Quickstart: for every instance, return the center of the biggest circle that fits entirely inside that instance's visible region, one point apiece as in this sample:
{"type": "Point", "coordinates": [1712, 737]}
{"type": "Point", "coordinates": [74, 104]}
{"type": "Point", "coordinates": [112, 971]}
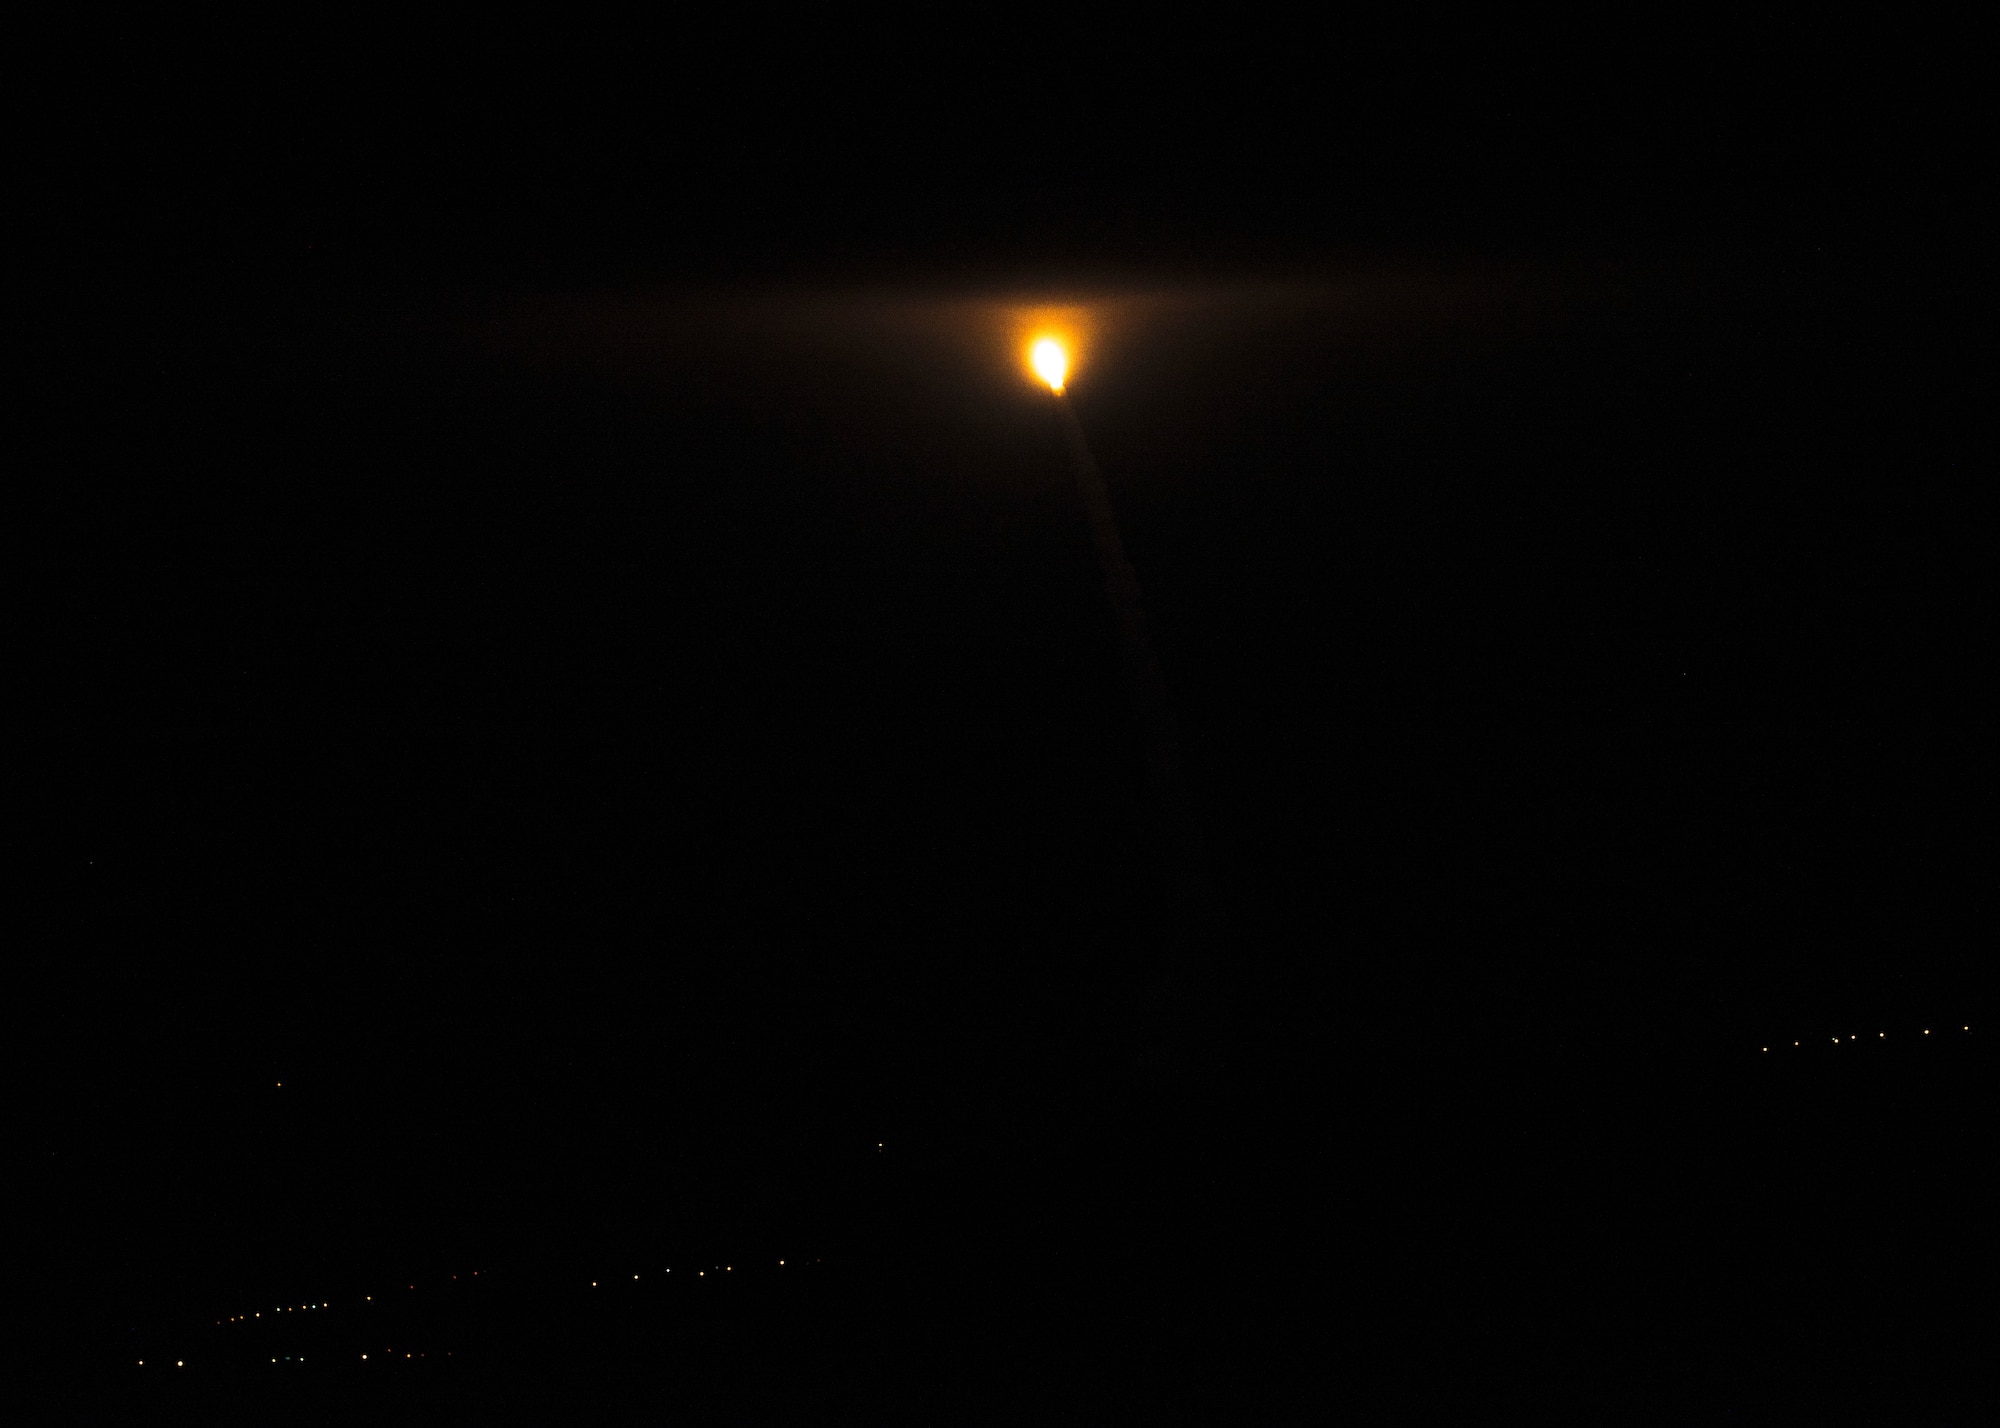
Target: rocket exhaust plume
{"type": "Point", "coordinates": [1051, 363]}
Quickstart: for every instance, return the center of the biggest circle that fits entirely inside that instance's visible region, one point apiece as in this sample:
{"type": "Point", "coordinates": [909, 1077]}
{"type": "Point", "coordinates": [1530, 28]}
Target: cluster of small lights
{"type": "Point", "coordinates": [1880, 1036]}
{"type": "Point", "coordinates": [699, 1273]}
{"type": "Point", "coordinates": [369, 1299]}
{"type": "Point", "coordinates": [306, 1308]}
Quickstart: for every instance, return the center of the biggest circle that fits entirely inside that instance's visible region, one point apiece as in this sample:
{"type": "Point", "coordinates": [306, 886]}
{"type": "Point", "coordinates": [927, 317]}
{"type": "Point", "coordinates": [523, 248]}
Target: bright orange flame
{"type": "Point", "coordinates": [1051, 363]}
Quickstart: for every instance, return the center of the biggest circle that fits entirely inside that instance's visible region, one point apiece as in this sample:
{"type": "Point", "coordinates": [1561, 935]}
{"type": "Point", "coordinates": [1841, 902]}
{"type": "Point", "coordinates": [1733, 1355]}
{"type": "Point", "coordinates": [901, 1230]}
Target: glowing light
{"type": "Point", "coordinates": [1051, 363]}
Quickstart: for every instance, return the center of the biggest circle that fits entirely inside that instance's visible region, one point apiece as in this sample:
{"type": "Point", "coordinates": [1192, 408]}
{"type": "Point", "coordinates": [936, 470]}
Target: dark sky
{"type": "Point", "coordinates": [556, 627]}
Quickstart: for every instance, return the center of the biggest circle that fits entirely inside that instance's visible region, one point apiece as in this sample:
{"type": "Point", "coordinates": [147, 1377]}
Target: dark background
{"type": "Point", "coordinates": [550, 623]}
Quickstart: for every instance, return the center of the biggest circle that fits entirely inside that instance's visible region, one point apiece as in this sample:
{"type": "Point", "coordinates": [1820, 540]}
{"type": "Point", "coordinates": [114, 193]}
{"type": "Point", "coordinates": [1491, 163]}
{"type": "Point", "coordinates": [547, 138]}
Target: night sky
{"type": "Point", "coordinates": [569, 724]}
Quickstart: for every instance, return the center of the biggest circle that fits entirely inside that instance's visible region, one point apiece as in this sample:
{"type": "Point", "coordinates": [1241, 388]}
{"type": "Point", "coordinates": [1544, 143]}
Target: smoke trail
{"type": "Point", "coordinates": [1181, 1013]}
